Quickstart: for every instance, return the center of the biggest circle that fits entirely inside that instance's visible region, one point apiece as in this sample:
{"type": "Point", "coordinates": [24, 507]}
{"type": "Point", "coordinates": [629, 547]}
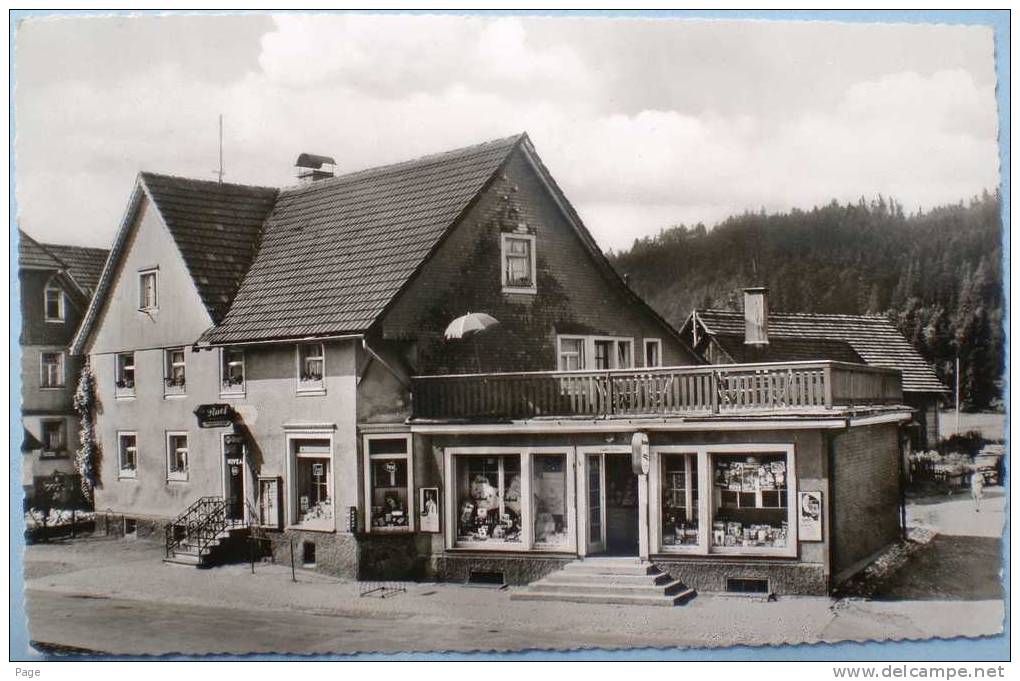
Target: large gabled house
{"type": "Point", "coordinates": [56, 283]}
{"type": "Point", "coordinates": [723, 336]}
{"type": "Point", "coordinates": [281, 359]}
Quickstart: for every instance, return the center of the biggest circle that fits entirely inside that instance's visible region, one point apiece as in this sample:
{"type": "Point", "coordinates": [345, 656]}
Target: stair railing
{"type": "Point", "coordinates": [199, 525]}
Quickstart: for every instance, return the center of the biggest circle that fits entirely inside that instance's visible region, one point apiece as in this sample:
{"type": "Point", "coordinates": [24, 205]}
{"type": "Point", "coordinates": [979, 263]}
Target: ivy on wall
{"type": "Point", "coordinates": [86, 457]}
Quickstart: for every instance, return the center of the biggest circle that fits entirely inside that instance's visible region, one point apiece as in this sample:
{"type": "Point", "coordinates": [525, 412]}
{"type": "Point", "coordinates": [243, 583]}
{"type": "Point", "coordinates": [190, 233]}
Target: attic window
{"type": "Point", "coordinates": [518, 259]}
{"type": "Point", "coordinates": [148, 298]}
{"type": "Point", "coordinates": [54, 302]}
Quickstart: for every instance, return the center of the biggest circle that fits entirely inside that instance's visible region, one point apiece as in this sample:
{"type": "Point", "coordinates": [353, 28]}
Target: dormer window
{"type": "Point", "coordinates": [148, 295]}
{"type": "Point", "coordinates": [54, 302]}
{"type": "Point", "coordinates": [518, 252]}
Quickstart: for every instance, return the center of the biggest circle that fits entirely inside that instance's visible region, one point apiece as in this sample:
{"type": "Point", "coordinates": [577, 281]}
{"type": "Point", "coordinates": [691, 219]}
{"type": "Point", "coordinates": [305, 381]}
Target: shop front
{"type": "Point", "coordinates": [719, 509]}
{"type": "Point", "coordinates": [695, 499]}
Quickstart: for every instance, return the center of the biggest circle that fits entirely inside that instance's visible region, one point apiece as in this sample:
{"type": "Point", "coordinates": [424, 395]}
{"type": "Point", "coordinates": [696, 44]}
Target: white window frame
{"type": "Point", "coordinates": [309, 387]}
{"type": "Point", "coordinates": [178, 476]}
{"type": "Point", "coordinates": [527, 543]}
{"type": "Point", "coordinates": [706, 489]}
{"type": "Point", "coordinates": [61, 370]}
{"type": "Point", "coordinates": [291, 511]}
{"type": "Point", "coordinates": [122, 472]}
{"type": "Point", "coordinates": [408, 457]}
{"type": "Point", "coordinates": [504, 251]}
{"type": "Point", "coordinates": [560, 353]}
{"type": "Point", "coordinates": [168, 367]}
{"type": "Point", "coordinates": [589, 350]}
{"type": "Point", "coordinates": [118, 367]}
{"type": "Point", "coordinates": [142, 274]}
{"type": "Point", "coordinates": [231, 390]}
{"type": "Point", "coordinates": [51, 287]}
{"type": "Point", "coordinates": [657, 342]}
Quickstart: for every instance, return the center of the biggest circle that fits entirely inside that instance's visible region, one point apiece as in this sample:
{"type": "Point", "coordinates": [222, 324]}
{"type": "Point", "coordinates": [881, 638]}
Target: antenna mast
{"type": "Point", "coordinates": [219, 173]}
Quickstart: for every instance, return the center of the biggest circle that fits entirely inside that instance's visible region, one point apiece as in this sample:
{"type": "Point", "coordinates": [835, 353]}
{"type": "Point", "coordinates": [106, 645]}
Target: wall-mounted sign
{"type": "Point", "coordinates": [640, 456]}
{"type": "Point", "coordinates": [428, 509]}
{"type": "Point", "coordinates": [214, 415]}
{"type": "Point", "coordinates": [352, 518]}
{"type": "Point", "coordinates": [809, 516]}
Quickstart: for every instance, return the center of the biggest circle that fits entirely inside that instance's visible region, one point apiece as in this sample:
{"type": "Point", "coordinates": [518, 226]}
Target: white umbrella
{"type": "Point", "coordinates": [469, 324]}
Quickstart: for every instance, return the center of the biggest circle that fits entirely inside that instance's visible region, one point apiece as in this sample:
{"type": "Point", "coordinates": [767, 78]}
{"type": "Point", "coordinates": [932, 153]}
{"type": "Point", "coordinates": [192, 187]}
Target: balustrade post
{"type": "Point", "coordinates": [827, 380]}
{"type": "Point", "coordinates": [714, 390]}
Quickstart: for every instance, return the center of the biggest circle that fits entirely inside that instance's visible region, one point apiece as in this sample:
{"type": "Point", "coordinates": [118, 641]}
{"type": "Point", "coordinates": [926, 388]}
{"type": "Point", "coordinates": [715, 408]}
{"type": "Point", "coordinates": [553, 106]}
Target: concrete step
{"type": "Point", "coordinates": [550, 585]}
{"type": "Point", "coordinates": [184, 559]}
{"type": "Point", "coordinates": [577, 577]}
{"type": "Point", "coordinates": [605, 599]}
{"type": "Point", "coordinates": [604, 567]}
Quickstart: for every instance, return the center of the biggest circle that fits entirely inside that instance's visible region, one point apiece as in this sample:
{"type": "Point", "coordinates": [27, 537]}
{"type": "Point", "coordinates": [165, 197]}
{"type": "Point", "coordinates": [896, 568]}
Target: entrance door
{"type": "Point", "coordinates": [592, 486]}
{"type": "Point", "coordinates": [622, 503]}
{"type": "Point", "coordinates": [233, 462]}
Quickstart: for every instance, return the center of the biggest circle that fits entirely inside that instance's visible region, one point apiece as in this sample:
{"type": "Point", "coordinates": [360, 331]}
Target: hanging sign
{"type": "Point", "coordinates": [640, 457]}
{"type": "Point", "coordinates": [809, 516]}
{"type": "Point", "coordinates": [214, 415]}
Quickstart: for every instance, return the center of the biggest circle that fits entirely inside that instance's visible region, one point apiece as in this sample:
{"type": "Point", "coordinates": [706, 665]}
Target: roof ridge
{"type": "Point", "coordinates": [435, 157]}
{"type": "Point", "coordinates": [841, 315]}
{"type": "Point", "coordinates": [168, 176]}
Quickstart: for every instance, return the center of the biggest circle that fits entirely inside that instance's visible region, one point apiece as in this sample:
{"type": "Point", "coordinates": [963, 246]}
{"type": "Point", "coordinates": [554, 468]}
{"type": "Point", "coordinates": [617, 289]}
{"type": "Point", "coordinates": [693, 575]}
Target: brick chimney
{"type": "Point", "coordinates": [756, 316]}
{"type": "Point", "coordinates": [314, 167]}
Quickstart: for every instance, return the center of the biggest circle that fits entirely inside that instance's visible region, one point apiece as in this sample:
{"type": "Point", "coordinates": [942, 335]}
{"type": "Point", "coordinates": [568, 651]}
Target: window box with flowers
{"type": "Point", "coordinates": [174, 378]}
{"type": "Point", "coordinates": [125, 375]}
{"type": "Point", "coordinates": [311, 369]}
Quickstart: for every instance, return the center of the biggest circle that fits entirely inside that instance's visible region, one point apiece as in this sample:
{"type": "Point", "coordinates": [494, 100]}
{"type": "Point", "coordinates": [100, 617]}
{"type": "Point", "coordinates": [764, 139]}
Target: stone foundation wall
{"type": "Point", "coordinates": [335, 554]}
{"type": "Point", "coordinates": [517, 569]}
{"type": "Point", "coordinates": [784, 578]}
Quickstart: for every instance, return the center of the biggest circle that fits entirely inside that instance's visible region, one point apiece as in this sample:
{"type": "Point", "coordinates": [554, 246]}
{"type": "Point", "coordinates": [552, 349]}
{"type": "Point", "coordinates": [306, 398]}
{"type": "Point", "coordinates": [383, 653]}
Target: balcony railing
{"type": "Point", "coordinates": [689, 390]}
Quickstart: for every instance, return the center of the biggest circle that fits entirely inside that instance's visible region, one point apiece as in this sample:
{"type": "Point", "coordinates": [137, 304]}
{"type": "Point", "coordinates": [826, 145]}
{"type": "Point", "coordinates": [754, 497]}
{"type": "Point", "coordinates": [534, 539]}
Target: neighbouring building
{"type": "Point", "coordinates": [722, 337]}
{"type": "Point", "coordinates": [56, 284]}
{"type": "Point", "coordinates": [278, 358]}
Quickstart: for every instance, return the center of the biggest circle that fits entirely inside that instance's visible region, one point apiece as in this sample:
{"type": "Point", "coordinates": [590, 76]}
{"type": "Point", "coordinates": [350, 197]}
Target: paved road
{"type": "Point", "coordinates": [130, 627]}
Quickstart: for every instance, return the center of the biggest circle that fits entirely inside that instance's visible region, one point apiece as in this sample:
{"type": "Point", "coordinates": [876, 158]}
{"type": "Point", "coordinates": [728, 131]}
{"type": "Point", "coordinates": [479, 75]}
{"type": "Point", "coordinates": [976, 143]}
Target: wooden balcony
{"type": "Point", "coordinates": [790, 387]}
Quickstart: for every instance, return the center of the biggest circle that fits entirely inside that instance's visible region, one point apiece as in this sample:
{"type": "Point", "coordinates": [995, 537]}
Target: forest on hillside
{"type": "Point", "coordinates": [937, 274]}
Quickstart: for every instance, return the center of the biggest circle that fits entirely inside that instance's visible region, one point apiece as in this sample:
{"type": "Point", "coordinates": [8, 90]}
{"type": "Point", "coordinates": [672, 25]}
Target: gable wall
{"type": "Point", "coordinates": [573, 297]}
{"type": "Point", "coordinates": [181, 317]}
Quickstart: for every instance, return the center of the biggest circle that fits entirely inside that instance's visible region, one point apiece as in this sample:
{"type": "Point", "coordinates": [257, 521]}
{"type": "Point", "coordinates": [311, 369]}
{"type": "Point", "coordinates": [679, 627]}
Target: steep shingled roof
{"type": "Point", "coordinates": [84, 264]}
{"type": "Point", "coordinates": [216, 226]}
{"type": "Point", "coordinates": [31, 254]}
{"type": "Point", "coordinates": [874, 338]}
{"type": "Point", "coordinates": [334, 253]}
{"type": "Point", "coordinates": [81, 263]}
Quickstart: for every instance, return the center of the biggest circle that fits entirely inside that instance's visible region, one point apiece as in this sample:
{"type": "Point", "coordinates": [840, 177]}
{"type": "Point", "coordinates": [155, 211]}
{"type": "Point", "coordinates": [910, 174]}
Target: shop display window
{"type": "Point", "coordinates": [488, 493]}
{"type": "Point", "coordinates": [389, 483]}
{"type": "Point", "coordinates": [549, 490]}
{"type": "Point", "coordinates": [750, 500]}
{"type": "Point", "coordinates": [679, 482]}
{"type": "Point", "coordinates": [313, 494]}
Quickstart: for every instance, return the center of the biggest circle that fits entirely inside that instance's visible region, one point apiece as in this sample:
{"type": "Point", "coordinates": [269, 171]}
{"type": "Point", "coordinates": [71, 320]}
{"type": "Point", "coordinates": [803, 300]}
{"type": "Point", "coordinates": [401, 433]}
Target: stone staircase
{"type": "Point", "coordinates": [619, 581]}
{"type": "Point", "coordinates": [218, 550]}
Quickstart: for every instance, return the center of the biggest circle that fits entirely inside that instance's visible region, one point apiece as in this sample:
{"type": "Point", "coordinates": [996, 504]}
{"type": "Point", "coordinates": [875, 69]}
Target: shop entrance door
{"type": "Point", "coordinates": [233, 476]}
{"type": "Point", "coordinates": [621, 502]}
{"type": "Point", "coordinates": [592, 503]}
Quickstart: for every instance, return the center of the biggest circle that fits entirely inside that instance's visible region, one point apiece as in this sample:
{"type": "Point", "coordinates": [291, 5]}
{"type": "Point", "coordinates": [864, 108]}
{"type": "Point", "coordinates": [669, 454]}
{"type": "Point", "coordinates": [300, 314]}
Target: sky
{"type": "Point", "coordinates": [645, 123]}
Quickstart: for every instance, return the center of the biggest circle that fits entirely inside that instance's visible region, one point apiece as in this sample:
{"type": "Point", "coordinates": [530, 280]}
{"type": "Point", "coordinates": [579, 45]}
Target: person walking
{"type": "Point", "coordinates": [977, 488]}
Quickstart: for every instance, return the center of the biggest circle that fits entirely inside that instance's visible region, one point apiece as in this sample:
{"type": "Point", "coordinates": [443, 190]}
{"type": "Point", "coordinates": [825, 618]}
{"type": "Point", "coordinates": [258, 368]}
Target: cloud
{"type": "Point", "coordinates": [601, 99]}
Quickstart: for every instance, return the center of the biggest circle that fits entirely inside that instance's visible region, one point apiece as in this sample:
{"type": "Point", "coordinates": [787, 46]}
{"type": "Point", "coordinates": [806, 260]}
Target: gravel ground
{"type": "Point", "coordinates": [431, 616]}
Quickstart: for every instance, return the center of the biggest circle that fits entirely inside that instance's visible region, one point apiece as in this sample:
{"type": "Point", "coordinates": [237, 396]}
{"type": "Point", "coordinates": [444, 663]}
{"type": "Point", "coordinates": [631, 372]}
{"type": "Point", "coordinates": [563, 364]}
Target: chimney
{"type": "Point", "coordinates": [313, 167]}
{"type": "Point", "coordinates": [756, 316]}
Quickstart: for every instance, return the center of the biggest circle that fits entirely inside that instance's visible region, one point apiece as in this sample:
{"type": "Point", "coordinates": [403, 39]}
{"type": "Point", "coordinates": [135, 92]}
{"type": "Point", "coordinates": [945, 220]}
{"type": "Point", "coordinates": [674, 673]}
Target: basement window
{"type": "Point", "coordinates": [743, 585]}
{"type": "Point", "coordinates": [308, 554]}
